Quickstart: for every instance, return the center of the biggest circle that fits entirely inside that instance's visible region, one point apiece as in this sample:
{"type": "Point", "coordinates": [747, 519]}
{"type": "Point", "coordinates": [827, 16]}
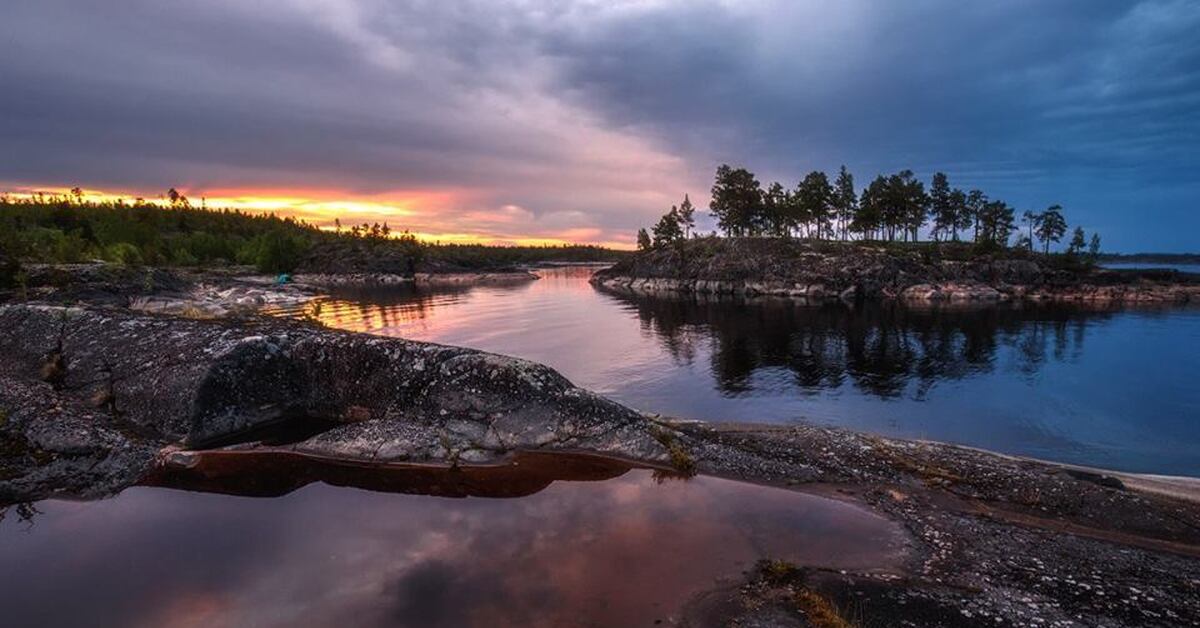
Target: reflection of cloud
{"type": "Point", "coordinates": [609, 552]}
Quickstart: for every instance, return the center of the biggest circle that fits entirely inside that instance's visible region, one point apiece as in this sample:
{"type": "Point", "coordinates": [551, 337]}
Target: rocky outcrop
{"type": "Point", "coordinates": [236, 298]}
{"type": "Point", "coordinates": [141, 383]}
{"type": "Point", "coordinates": [838, 270]}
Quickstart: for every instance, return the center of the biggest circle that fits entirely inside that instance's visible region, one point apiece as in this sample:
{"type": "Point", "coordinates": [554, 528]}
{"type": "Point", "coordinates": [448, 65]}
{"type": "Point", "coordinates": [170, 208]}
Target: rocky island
{"type": "Point", "coordinates": [96, 397]}
{"type": "Point", "coordinates": [828, 270]}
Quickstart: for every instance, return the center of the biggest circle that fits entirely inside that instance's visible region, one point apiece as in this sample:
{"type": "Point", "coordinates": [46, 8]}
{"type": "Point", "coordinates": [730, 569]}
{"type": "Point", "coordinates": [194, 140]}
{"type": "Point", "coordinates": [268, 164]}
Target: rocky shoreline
{"type": "Point", "coordinates": [832, 271]}
{"type": "Point", "coordinates": [96, 398]}
{"type": "Point", "coordinates": [433, 280]}
{"type": "Point", "coordinates": [226, 293]}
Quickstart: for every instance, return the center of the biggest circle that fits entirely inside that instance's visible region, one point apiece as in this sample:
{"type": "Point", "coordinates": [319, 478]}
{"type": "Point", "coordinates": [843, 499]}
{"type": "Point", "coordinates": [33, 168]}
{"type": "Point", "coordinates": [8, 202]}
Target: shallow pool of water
{"type": "Point", "coordinates": [1109, 387]}
{"type": "Point", "coordinates": [625, 551]}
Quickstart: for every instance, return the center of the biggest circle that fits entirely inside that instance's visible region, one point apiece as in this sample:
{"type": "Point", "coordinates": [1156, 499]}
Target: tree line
{"type": "Point", "coordinates": [895, 207]}
{"type": "Point", "coordinates": [173, 232]}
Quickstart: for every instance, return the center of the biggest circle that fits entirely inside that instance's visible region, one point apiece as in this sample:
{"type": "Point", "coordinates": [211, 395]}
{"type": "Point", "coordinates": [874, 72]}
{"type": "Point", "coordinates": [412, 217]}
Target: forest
{"type": "Point", "coordinates": [70, 229]}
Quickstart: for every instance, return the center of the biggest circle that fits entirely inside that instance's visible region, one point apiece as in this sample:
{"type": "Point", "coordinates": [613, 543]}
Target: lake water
{"type": "Point", "coordinates": [1183, 268]}
{"type": "Point", "coordinates": [626, 551]}
{"type": "Point", "coordinates": [1108, 387]}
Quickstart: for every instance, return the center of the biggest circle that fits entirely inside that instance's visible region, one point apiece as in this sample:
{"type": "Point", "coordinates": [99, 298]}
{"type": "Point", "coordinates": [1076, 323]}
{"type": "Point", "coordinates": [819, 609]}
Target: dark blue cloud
{"type": "Point", "coordinates": [606, 110]}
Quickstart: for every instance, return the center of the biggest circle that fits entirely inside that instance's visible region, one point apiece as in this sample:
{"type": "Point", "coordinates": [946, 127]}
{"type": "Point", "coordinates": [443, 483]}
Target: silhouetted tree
{"type": "Point", "coordinates": [176, 199]}
{"type": "Point", "coordinates": [976, 200]}
{"type": "Point", "coordinates": [815, 198]}
{"type": "Point", "coordinates": [845, 201]}
{"type": "Point", "coordinates": [868, 220]}
{"type": "Point", "coordinates": [962, 214]}
{"type": "Point", "coordinates": [912, 201]}
{"type": "Point", "coordinates": [1051, 226]}
{"type": "Point", "coordinates": [687, 216]}
{"type": "Point", "coordinates": [1032, 220]}
{"type": "Point", "coordinates": [643, 240]}
{"type": "Point", "coordinates": [996, 223]}
{"type": "Point", "coordinates": [941, 206]}
{"type": "Point", "coordinates": [1078, 242]}
{"type": "Point", "coordinates": [777, 210]}
{"type": "Point", "coordinates": [737, 201]}
{"type": "Point", "coordinates": [1094, 246]}
{"type": "Point", "coordinates": [668, 230]}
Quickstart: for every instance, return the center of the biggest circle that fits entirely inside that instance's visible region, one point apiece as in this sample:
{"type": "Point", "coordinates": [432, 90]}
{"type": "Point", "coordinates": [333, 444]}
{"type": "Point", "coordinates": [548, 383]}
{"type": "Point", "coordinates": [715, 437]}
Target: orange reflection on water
{"type": "Point", "coordinates": [622, 552]}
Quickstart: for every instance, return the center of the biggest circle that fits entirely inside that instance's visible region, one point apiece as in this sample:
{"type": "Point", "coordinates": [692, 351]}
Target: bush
{"type": "Point", "coordinates": [278, 252]}
{"type": "Point", "coordinates": [123, 253]}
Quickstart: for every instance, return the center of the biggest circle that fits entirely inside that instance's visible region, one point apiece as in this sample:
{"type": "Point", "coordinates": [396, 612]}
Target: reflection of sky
{"type": "Point", "coordinates": [326, 556]}
{"type": "Point", "coordinates": [1112, 389]}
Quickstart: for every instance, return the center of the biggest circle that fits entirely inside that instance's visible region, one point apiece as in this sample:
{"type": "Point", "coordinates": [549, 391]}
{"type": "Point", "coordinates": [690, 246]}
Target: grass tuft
{"type": "Point", "coordinates": [680, 458]}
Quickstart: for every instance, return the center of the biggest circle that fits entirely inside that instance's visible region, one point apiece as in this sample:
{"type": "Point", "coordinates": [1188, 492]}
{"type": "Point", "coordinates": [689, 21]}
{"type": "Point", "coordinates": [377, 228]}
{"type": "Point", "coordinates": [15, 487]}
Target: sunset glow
{"type": "Point", "coordinates": [429, 215]}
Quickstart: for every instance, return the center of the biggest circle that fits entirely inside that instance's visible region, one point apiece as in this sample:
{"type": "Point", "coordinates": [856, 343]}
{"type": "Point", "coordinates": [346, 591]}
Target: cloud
{"type": "Point", "coordinates": [597, 116]}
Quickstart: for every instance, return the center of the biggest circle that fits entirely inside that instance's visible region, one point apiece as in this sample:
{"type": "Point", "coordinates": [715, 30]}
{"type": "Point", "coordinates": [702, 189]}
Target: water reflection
{"type": "Point", "coordinates": [1101, 386]}
{"type": "Point", "coordinates": [883, 349]}
{"type": "Point", "coordinates": [622, 552]}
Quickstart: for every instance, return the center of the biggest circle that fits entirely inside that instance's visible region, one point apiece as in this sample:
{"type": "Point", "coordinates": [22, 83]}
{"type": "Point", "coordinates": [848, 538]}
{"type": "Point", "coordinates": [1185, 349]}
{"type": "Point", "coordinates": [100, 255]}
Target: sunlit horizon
{"type": "Point", "coordinates": [430, 216]}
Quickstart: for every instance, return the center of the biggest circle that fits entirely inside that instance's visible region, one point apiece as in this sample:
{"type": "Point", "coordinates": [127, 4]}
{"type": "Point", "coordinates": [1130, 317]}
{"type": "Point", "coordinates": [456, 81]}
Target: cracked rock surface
{"type": "Point", "coordinates": [108, 388]}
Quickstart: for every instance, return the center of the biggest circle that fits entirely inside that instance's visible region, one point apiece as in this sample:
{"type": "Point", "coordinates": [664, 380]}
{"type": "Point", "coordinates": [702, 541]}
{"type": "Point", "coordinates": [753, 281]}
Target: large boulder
{"type": "Point", "coordinates": [193, 383]}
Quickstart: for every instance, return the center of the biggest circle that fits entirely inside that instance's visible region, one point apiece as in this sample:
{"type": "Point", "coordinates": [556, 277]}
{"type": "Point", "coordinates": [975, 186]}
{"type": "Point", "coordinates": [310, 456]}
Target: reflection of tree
{"type": "Point", "coordinates": [882, 348]}
{"type": "Point", "coordinates": [25, 512]}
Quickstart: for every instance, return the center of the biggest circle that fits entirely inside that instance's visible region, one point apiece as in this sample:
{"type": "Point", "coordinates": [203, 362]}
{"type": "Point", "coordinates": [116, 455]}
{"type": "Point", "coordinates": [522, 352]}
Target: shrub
{"type": "Point", "coordinates": [278, 252]}
{"type": "Point", "coordinates": [123, 253]}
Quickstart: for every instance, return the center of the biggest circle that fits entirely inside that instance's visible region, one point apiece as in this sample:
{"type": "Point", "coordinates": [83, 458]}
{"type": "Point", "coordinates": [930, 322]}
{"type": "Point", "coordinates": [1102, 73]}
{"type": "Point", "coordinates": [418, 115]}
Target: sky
{"type": "Point", "coordinates": [580, 121]}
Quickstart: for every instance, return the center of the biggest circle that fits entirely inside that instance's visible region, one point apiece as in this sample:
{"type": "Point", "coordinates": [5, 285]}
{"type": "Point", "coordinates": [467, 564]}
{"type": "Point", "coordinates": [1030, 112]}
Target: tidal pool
{"type": "Point", "coordinates": [1110, 387]}
{"type": "Point", "coordinates": [606, 547]}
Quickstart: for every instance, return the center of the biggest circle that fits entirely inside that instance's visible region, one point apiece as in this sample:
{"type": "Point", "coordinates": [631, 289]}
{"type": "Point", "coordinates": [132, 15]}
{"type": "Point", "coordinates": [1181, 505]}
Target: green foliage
{"type": "Point", "coordinates": [668, 229]}
{"type": "Point", "coordinates": [737, 202]}
{"type": "Point", "coordinates": [123, 253]}
{"type": "Point", "coordinates": [277, 252]}
{"type": "Point", "coordinates": [66, 229]}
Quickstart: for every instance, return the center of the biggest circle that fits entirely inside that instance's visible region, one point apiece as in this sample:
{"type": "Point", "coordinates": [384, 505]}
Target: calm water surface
{"type": "Point", "coordinates": [1183, 268]}
{"type": "Point", "coordinates": [1106, 387]}
{"type": "Point", "coordinates": [623, 552]}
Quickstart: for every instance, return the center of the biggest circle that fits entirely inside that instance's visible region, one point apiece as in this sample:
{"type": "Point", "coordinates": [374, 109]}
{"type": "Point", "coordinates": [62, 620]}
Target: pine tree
{"type": "Point", "coordinates": [687, 216]}
{"type": "Point", "coordinates": [668, 230]}
{"type": "Point", "coordinates": [1051, 227]}
{"type": "Point", "coordinates": [1033, 220]}
{"type": "Point", "coordinates": [737, 202]}
{"type": "Point", "coordinates": [845, 200]}
{"type": "Point", "coordinates": [941, 205]}
{"type": "Point", "coordinates": [643, 240]}
{"type": "Point", "coordinates": [815, 196]}
{"type": "Point", "coordinates": [1078, 242]}
{"type": "Point", "coordinates": [962, 214]}
{"type": "Point", "coordinates": [777, 210]}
